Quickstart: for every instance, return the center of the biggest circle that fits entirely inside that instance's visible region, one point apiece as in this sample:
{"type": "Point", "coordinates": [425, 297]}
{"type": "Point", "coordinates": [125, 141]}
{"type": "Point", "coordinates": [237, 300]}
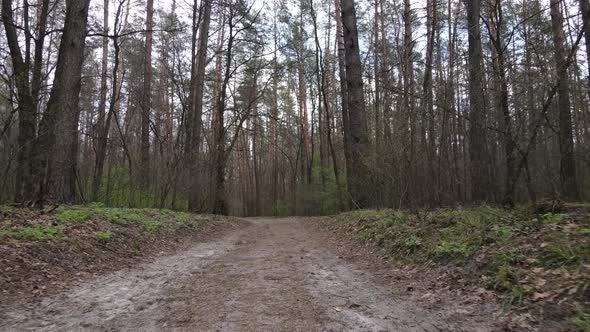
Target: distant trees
{"type": "Point", "coordinates": [238, 107]}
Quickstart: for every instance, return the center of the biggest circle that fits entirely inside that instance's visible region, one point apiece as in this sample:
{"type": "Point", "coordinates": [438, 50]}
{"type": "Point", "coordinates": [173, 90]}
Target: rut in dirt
{"type": "Point", "coordinates": [274, 275]}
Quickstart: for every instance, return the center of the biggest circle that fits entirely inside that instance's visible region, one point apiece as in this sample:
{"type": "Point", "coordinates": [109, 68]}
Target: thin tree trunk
{"type": "Point", "coordinates": [146, 101]}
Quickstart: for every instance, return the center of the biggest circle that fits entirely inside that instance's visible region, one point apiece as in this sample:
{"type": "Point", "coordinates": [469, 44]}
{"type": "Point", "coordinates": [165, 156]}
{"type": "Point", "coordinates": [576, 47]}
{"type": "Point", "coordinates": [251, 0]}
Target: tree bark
{"type": "Point", "coordinates": [567, 169]}
{"type": "Point", "coordinates": [146, 101]}
{"type": "Point", "coordinates": [196, 111]}
{"type": "Point", "coordinates": [477, 141]}
{"type": "Point", "coordinates": [56, 149]}
{"type": "Point", "coordinates": [359, 139]}
{"type": "Point", "coordinates": [100, 123]}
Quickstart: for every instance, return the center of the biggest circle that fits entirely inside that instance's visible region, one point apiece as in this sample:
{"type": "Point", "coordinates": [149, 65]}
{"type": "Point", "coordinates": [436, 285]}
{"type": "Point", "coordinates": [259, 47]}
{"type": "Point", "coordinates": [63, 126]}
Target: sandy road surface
{"type": "Point", "coordinates": [274, 275]}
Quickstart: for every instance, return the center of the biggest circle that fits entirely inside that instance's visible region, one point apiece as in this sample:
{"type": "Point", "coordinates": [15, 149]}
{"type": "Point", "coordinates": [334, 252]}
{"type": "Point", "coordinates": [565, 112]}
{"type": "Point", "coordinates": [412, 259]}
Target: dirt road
{"type": "Point", "coordinates": [274, 275]}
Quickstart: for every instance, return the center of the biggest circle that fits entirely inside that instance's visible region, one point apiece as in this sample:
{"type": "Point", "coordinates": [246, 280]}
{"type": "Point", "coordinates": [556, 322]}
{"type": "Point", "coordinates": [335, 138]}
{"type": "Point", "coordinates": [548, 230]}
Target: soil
{"type": "Point", "coordinates": [31, 270]}
{"type": "Point", "coordinates": [273, 274]}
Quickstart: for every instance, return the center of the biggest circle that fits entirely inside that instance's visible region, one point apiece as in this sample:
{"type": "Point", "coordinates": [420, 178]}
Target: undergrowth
{"type": "Point", "coordinates": [496, 248]}
{"type": "Point", "coordinates": [21, 224]}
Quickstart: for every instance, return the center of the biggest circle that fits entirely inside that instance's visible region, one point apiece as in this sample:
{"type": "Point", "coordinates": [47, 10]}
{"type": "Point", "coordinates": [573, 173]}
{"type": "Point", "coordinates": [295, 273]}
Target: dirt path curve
{"type": "Point", "coordinates": [274, 275]}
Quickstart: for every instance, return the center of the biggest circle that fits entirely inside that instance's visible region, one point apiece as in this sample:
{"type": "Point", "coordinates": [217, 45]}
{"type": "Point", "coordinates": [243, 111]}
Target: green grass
{"type": "Point", "coordinates": [151, 225]}
{"type": "Point", "coordinates": [104, 236]}
{"type": "Point", "coordinates": [553, 218]}
{"type": "Point", "coordinates": [66, 215]}
{"type": "Point", "coordinates": [38, 232]}
{"type": "Point", "coordinates": [561, 255]}
{"type": "Point", "coordinates": [6, 209]}
{"type": "Point", "coordinates": [582, 321]}
{"type": "Point", "coordinates": [497, 245]}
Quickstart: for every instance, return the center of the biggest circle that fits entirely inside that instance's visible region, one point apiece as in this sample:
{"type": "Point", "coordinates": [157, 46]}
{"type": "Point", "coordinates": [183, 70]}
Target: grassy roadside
{"type": "Point", "coordinates": [43, 252]}
{"type": "Point", "coordinates": [538, 263]}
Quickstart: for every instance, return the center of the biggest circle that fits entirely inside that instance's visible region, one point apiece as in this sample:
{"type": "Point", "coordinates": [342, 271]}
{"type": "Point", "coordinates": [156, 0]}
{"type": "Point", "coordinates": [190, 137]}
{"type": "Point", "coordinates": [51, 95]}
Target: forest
{"type": "Point", "coordinates": [286, 107]}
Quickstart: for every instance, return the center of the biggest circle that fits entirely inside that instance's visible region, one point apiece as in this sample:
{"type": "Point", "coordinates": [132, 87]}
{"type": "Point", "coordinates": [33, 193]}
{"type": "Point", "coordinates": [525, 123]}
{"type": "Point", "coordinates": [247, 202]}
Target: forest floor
{"type": "Point", "coordinates": [262, 274]}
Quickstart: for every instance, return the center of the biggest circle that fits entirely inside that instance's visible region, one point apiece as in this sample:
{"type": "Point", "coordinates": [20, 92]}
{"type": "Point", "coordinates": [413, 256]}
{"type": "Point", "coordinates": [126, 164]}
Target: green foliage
{"type": "Point", "coordinates": [125, 193]}
{"type": "Point", "coordinates": [184, 218]}
{"type": "Point", "coordinates": [72, 215]}
{"type": "Point", "coordinates": [37, 232]}
{"type": "Point", "coordinates": [501, 233]}
{"type": "Point", "coordinates": [553, 218]}
{"type": "Point", "coordinates": [151, 225]}
{"type": "Point", "coordinates": [6, 209]}
{"type": "Point", "coordinates": [6, 233]}
{"type": "Point", "coordinates": [561, 255]}
{"type": "Point", "coordinates": [411, 244]}
{"type": "Point", "coordinates": [280, 208]}
{"type": "Point", "coordinates": [118, 216]}
{"type": "Point", "coordinates": [452, 249]}
{"type": "Point", "coordinates": [582, 321]}
{"type": "Point", "coordinates": [394, 218]}
{"type": "Point", "coordinates": [318, 197]}
{"type": "Point", "coordinates": [104, 236]}
{"type": "Point", "coordinates": [466, 230]}
{"type": "Point", "coordinates": [366, 234]}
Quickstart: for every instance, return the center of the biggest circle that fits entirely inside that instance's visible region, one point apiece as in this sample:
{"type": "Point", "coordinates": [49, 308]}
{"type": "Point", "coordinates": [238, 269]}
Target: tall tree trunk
{"type": "Point", "coordinates": [408, 112]}
{"type": "Point", "coordinates": [274, 119]}
{"type": "Point", "coordinates": [27, 94]}
{"type": "Point", "coordinates": [477, 138]}
{"type": "Point", "coordinates": [427, 106]}
{"type": "Point", "coordinates": [196, 112]}
{"type": "Point", "coordinates": [496, 26]}
{"type": "Point", "coordinates": [359, 138]}
{"type": "Point", "coordinates": [56, 149]}
{"type": "Point", "coordinates": [302, 98]}
{"type": "Point", "coordinates": [343, 91]}
{"type": "Point", "coordinates": [376, 70]}
{"type": "Point", "coordinates": [569, 188]}
{"type": "Point", "coordinates": [219, 150]}
{"type": "Point", "coordinates": [100, 123]}
{"type": "Point", "coordinates": [146, 100]}
{"type": "Point", "coordinates": [585, 10]}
